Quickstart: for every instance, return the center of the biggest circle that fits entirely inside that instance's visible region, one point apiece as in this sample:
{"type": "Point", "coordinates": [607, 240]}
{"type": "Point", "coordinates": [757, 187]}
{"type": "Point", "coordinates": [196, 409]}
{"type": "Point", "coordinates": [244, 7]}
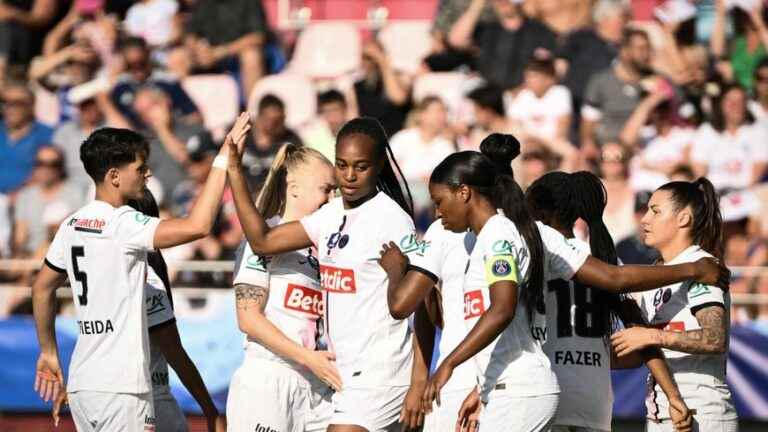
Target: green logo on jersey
{"type": "Point", "coordinates": [256, 262]}
{"type": "Point", "coordinates": [141, 218]}
{"type": "Point", "coordinates": [502, 247]}
{"type": "Point", "coordinates": [698, 290]}
{"type": "Point", "coordinates": [410, 244]}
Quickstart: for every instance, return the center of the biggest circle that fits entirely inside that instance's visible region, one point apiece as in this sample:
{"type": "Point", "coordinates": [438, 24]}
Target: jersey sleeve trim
{"type": "Point", "coordinates": [53, 267]}
{"type": "Point", "coordinates": [697, 308]}
{"type": "Point", "coordinates": [423, 271]}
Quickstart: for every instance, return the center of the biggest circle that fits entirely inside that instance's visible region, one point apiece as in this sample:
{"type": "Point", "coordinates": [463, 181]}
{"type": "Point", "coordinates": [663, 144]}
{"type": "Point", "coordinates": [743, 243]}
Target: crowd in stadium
{"type": "Point", "coordinates": [582, 84]}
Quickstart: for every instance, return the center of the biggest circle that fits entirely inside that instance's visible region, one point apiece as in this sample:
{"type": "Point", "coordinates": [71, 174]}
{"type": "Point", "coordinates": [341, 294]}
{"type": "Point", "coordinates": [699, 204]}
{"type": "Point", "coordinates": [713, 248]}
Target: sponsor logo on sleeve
{"type": "Point", "coordinates": [155, 303]}
{"type": "Point", "coordinates": [473, 304]}
{"type": "Point", "coordinates": [94, 226]}
{"type": "Point", "coordinates": [337, 280]}
{"type": "Point", "coordinates": [698, 290]}
{"type": "Point", "coordinates": [410, 244]}
{"type": "Point", "coordinates": [502, 247]}
{"type": "Point", "coordinates": [302, 299]}
{"type": "Point", "coordinates": [141, 218]}
{"type": "Point", "coordinates": [257, 262]}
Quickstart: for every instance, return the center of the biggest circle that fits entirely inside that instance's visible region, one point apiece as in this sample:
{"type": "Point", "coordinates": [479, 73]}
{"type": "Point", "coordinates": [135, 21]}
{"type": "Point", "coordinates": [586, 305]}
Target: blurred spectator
{"type": "Point", "coordinates": [20, 136]}
{"type": "Point", "coordinates": [562, 16]}
{"type": "Point", "coordinates": [613, 94]}
{"type": "Point", "coordinates": [749, 44]}
{"type": "Point", "coordinates": [6, 222]}
{"type": "Point", "coordinates": [444, 56]}
{"type": "Point", "coordinates": [506, 45]}
{"type": "Point", "coordinates": [21, 22]}
{"type": "Point", "coordinates": [632, 250]}
{"type": "Point", "coordinates": [591, 49]}
{"type": "Point", "coordinates": [619, 213]}
{"type": "Point", "coordinates": [152, 20]}
{"type": "Point", "coordinates": [758, 106]}
{"type": "Point", "coordinates": [93, 111]}
{"type": "Point", "coordinates": [665, 142]}
{"type": "Point", "coordinates": [139, 73]}
{"type": "Point", "coordinates": [48, 185]}
{"type": "Point", "coordinates": [229, 35]}
{"type": "Point", "coordinates": [62, 70]}
{"type": "Point", "coordinates": [382, 92]}
{"type": "Point", "coordinates": [226, 233]}
{"type": "Point", "coordinates": [488, 107]}
{"type": "Point", "coordinates": [745, 247]}
{"type": "Point", "coordinates": [332, 114]}
{"type": "Point", "coordinates": [701, 85]}
{"type": "Point", "coordinates": [731, 149]}
{"type": "Point", "coordinates": [535, 163]}
{"type": "Point", "coordinates": [268, 134]}
{"type": "Point", "coordinates": [541, 110]}
{"type": "Point", "coordinates": [169, 138]}
{"type": "Point", "coordinates": [418, 150]}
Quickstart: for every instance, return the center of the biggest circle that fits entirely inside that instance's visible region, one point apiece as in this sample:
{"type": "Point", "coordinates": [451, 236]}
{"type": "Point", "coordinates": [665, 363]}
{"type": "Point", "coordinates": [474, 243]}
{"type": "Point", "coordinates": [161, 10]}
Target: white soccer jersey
{"type": "Point", "coordinates": [372, 348]}
{"type": "Point", "coordinates": [700, 377]}
{"type": "Point", "coordinates": [159, 311]}
{"type": "Point", "coordinates": [444, 257]}
{"type": "Point", "coordinates": [573, 341]}
{"type": "Point", "coordinates": [295, 302]}
{"type": "Point", "coordinates": [104, 252]}
{"type": "Point", "coordinates": [514, 359]}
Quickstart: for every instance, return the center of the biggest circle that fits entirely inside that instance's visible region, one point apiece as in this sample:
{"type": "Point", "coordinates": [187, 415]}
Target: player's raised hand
{"type": "Point", "coordinates": [49, 379]}
{"type": "Point", "coordinates": [234, 143]}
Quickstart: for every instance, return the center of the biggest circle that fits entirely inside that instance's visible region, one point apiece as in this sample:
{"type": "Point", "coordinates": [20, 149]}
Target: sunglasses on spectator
{"type": "Point", "coordinates": [54, 163]}
{"type": "Point", "coordinates": [612, 156]}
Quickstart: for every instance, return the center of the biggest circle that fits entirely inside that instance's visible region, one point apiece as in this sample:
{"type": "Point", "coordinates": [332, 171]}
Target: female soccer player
{"type": "Point", "coordinates": [279, 304]}
{"type": "Point", "coordinates": [453, 204]}
{"type": "Point", "coordinates": [691, 319]}
{"type": "Point", "coordinates": [579, 319]}
{"type": "Point", "coordinates": [373, 350]}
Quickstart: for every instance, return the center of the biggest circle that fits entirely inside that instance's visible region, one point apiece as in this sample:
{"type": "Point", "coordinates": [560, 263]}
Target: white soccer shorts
{"type": "Point", "coordinates": [444, 417]}
{"type": "Point", "coordinates": [699, 425]}
{"type": "Point", "coordinates": [507, 412]}
{"type": "Point", "coordinates": [272, 396]}
{"type": "Point", "coordinates": [377, 410]}
{"type": "Point", "coordinates": [112, 412]}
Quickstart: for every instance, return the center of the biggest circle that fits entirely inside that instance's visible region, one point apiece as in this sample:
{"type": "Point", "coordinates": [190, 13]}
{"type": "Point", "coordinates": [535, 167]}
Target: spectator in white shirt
{"type": "Point", "coordinates": [731, 150]}
{"type": "Point", "coordinates": [152, 20]}
{"type": "Point", "coordinates": [660, 139]}
{"type": "Point", "coordinates": [541, 110]}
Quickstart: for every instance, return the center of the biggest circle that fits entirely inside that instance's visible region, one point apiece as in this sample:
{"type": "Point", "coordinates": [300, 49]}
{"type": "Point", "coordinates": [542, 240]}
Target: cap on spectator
{"type": "Point", "coordinates": [200, 146]}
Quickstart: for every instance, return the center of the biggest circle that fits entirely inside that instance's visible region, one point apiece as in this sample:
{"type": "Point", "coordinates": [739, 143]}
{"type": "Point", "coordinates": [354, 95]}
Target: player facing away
{"type": "Point", "coordinates": [691, 320]}
{"type": "Point", "coordinates": [103, 248]}
{"type": "Point", "coordinates": [579, 319]}
{"type": "Point", "coordinates": [283, 383]}
{"type": "Point", "coordinates": [453, 199]}
{"type": "Point", "coordinates": [373, 350]}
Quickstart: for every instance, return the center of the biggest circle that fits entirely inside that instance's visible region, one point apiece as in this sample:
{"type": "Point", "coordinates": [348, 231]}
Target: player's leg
{"type": "Point", "coordinates": [263, 394]}
{"type": "Point", "coordinates": [320, 409]}
{"type": "Point", "coordinates": [707, 425]}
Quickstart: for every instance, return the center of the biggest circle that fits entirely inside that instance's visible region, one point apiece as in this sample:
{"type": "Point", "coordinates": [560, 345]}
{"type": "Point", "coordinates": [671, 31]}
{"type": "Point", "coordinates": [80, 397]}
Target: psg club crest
{"type": "Point", "coordinates": [501, 268]}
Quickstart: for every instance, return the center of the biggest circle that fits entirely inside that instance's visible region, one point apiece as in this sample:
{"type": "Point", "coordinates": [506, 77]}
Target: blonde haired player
{"type": "Point", "coordinates": [283, 383]}
{"type": "Point", "coordinates": [102, 248]}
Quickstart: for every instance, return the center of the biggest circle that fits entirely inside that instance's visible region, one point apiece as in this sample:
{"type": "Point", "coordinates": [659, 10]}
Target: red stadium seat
{"type": "Point", "coordinates": [216, 96]}
{"type": "Point", "coordinates": [327, 50]}
{"type": "Point", "coordinates": [407, 43]}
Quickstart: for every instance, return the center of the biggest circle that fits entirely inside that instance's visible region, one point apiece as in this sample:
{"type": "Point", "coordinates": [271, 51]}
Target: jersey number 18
{"type": "Point", "coordinates": [588, 316]}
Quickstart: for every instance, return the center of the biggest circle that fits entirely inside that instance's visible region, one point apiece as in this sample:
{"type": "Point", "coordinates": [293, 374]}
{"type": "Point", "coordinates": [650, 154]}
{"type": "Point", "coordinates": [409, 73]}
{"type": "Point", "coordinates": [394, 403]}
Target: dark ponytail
{"type": "Point", "coordinates": [388, 180]}
{"type": "Point", "coordinates": [490, 174]}
{"type": "Point", "coordinates": [148, 205]}
{"type": "Point", "coordinates": [700, 196]}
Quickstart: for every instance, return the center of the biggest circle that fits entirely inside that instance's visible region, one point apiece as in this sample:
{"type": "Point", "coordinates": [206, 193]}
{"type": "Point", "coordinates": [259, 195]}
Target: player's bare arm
{"type": "Point", "coordinates": [173, 232]}
{"type": "Point", "coordinates": [49, 378]}
{"type": "Point", "coordinates": [250, 301]}
{"type": "Point", "coordinates": [711, 338]}
{"type": "Point", "coordinates": [263, 240]}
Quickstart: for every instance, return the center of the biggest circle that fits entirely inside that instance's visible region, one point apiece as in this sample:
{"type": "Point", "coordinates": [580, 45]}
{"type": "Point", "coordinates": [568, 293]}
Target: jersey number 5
{"type": "Point", "coordinates": [80, 276]}
{"type": "Point", "coordinates": [588, 315]}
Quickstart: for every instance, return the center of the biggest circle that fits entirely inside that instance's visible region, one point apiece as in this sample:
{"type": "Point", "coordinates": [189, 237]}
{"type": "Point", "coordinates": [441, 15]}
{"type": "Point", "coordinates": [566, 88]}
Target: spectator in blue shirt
{"type": "Point", "coordinates": [20, 137]}
{"type": "Point", "coordinates": [139, 73]}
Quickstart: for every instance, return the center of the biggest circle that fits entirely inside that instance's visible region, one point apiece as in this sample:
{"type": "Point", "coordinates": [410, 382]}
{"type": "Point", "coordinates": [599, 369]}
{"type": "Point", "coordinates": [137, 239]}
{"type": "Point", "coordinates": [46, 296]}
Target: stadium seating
{"type": "Point", "coordinates": [216, 96]}
{"type": "Point", "coordinates": [326, 50]}
{"type": "Point", "coordinates": [295, 90]}
{"type": "Point", "coordinates": [406, 56]}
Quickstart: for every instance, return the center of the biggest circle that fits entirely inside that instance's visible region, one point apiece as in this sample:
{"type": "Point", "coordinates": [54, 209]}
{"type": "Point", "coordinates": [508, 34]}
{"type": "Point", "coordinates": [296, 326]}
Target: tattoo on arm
{"type": "Point", "coordinates": [247, 296]}
{"type": "Point", "coordinates": [710, 339]}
